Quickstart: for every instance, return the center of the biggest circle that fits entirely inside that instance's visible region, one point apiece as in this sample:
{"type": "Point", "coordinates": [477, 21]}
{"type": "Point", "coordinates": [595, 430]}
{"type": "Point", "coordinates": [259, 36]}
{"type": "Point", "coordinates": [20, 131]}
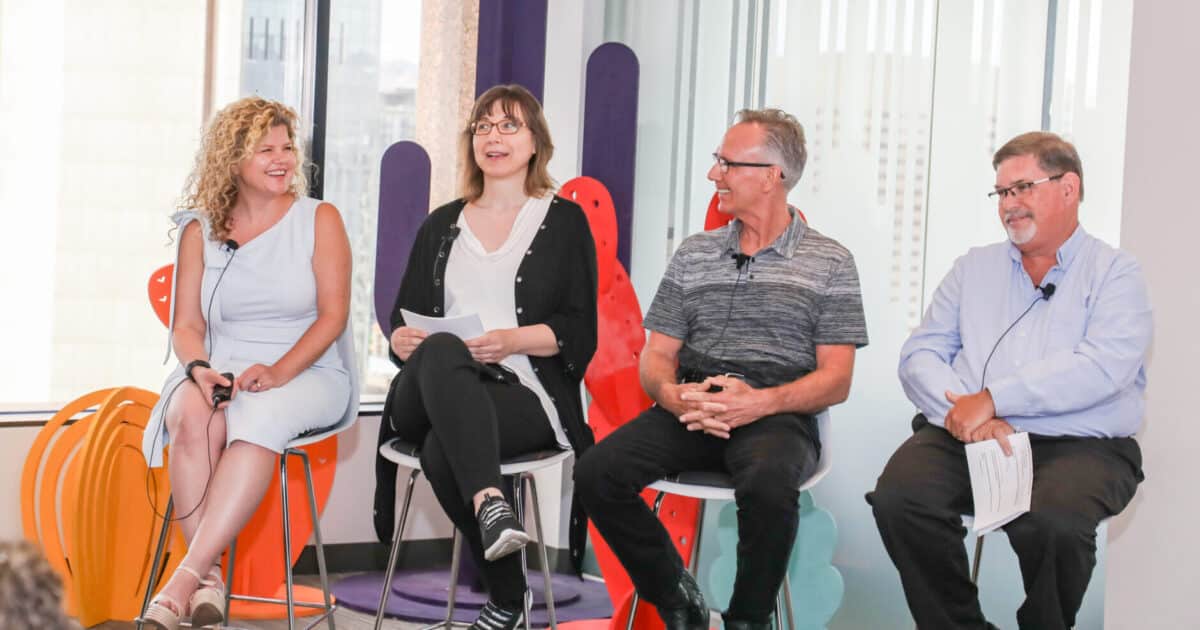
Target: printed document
{"type": "Point", "coordinates": [1001, 484]}
{"type": "Point", "coordinates": [464, 326]}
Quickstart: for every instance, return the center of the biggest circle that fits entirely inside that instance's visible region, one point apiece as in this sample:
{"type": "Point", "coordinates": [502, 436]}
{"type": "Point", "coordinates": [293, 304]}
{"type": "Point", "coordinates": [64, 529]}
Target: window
{"type": "Point", "coordinates": [101, 111]}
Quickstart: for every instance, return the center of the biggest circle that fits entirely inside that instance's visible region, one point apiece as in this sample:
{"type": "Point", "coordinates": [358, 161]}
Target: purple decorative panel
{"type": "Point", "coordinates": [610, 131]}
{"type": "Point", "coordinates": [403, 205]}
{"type": "Point", "coordinates": [512, 45]}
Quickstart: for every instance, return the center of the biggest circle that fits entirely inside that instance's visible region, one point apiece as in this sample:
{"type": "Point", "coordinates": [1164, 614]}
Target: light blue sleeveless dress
{"type": "Point", "coordinates": [264, 304]}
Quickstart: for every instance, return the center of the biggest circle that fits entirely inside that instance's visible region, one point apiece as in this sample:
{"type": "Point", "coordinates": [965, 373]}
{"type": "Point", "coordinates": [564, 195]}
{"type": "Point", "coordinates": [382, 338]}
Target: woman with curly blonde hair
{"type": "Point", "coordinates": [262, 294]}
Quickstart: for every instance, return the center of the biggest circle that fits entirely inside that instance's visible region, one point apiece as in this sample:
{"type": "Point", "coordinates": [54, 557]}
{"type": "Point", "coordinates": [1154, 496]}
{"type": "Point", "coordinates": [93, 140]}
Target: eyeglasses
{"type": "Point", "coordinates": [724, 165]}
{"type": "Point", "coordinates": [506, 127]}
{"type": "Point", "coordinates": [1020, 189]}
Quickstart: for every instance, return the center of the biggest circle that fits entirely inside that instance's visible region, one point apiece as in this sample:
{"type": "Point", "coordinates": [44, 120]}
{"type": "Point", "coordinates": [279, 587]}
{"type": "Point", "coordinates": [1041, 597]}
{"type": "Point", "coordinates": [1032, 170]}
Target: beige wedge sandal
{"type": "Point", "coordinates": [208, 602]}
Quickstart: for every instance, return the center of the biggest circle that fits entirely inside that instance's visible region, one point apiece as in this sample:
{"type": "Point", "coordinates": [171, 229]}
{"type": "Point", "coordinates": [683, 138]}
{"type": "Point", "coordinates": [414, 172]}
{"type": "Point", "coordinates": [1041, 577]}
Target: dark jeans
{"type": "Point", "coordinates": [466, 421]}
{"type": "Point", "coordinates": [767, 459]}
{"type": "Point", "coordinates": [925, 487]}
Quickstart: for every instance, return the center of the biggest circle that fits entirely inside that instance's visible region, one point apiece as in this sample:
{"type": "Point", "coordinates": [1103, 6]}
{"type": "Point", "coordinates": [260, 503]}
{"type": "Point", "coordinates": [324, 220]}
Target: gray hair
{"type": "Point", "coordinates": [784, 137]}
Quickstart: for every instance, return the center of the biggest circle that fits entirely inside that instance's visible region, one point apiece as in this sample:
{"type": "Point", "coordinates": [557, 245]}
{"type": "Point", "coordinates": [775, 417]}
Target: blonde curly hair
{"type": "Point", "coordinates": [231, 137]}
{"type": "Point", "coordinates": [30, 590]}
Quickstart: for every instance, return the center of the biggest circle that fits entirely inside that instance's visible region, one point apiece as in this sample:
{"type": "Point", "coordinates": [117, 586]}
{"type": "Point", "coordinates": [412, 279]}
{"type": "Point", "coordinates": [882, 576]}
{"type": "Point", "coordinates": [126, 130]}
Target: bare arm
{"type": "Point", "coordinates": [187, 338]}
{"type": "Point", "coordinates": [660, 359]}
{"type": "Point", "coordinates": [824, 387]}
{"type": "Point", "coordinates": [331, 267]}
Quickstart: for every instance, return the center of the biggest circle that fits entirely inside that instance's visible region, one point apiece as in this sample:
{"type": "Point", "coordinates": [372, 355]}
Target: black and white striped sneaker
{"type": "Point", "coordinates": [499, 528]}
{"type": "Point", "coordinates": [493, 617]}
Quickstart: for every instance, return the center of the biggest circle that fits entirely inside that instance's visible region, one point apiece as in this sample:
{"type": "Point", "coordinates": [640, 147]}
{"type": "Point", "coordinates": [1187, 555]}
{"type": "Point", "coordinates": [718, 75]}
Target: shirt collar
{"type": "Point", "coordinates": [785, 244]}
{"type": "Point", "coordinates": [1066, 252]}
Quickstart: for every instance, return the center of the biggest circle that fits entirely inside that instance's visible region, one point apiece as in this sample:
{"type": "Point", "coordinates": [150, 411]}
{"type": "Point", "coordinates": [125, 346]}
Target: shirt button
{"type": "Point", "coordinates": [441, 254]}
{"type": "Point", "coordinates": [535, 369]}
{"type": "Point", "coordinates": [560, 343]}
{"type": "Point", "coordinates": [437, 282]}
{"type": "Point", "coordinates": [528, 251]}
{"type": "Point", "coordinates": [543, 227]}
{"type": "Point", "coordinates": [570, 366]}
{"type": "Point", "coordinates": [518, 279]}
{"type": "Point", "coordinates": [520, 310]}
{"type": "Point", "coordinates": [437, 309]}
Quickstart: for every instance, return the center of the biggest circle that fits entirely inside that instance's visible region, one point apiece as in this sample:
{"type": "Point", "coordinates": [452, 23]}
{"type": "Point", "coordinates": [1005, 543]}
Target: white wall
{"type": "Point", "coordinates": [1153, 557]}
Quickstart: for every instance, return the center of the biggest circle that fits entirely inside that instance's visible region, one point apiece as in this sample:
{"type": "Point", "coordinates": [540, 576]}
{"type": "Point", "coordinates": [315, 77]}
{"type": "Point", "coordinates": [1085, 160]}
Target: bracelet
{"type": "Point", "coordinates": [193, 365]}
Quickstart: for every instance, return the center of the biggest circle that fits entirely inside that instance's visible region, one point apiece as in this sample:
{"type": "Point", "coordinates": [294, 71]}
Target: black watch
{"type": "Point", "coordinates": [190, 366]}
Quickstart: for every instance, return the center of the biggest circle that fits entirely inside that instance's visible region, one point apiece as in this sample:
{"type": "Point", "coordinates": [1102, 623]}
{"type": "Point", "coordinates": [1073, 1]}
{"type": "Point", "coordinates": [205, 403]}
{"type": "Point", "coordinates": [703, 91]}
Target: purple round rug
{"type": "Point", "coordinates": [422, 595]}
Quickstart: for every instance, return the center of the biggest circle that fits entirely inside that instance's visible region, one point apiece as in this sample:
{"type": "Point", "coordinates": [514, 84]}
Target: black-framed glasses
{"type": "Point", "coordinates": [724, 165]}
{"type": "Point", "coordinates": [506, 127]}
{"type": "Point", "coordinates": [1020, 189]}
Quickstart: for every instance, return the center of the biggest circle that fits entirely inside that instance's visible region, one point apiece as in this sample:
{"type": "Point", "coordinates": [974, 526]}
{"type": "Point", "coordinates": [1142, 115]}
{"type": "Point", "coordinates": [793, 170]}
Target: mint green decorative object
{"type": "Point", "coordinates": [817, 586]}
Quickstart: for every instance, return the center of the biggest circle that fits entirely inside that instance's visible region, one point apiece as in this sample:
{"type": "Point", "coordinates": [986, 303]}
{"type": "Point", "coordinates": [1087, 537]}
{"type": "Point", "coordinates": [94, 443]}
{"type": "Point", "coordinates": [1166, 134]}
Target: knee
{"type": "Point", "coordinates": [767, 486]}
{"type": "Point", "coordinates": [1053, 528]}
{"type": "Point", "coordinates": [439, 351]}
{"type": "Point", "coordinates": [593, 481]}
{"type": "Point", "coordinates": [189, 425]}
{"type": "Point", "coordinates": [893, 497]}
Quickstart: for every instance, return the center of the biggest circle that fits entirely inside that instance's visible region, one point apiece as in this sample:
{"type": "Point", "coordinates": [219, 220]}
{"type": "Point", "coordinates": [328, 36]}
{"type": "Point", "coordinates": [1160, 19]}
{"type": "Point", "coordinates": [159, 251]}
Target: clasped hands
{"type": "Point", "coordinates": [973, 419]}
{"type": "Point", "coordinates": [717, 413]}
{"type": "Point", "coordinates": [492, 346]}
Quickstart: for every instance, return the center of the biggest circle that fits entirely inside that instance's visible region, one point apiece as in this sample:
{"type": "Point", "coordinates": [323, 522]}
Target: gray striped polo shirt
{"type": "Point", "coordinates": [764, 320]}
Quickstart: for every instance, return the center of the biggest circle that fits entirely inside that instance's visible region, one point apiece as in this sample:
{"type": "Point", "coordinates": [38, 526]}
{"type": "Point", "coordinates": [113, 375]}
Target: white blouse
{"type": "Point", "coordinates": [481, 282]}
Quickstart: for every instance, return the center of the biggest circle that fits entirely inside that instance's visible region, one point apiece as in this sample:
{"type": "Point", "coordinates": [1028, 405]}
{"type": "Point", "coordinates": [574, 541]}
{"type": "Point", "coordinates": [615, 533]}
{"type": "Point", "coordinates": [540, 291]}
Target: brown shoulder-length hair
{"type": "Point", "coordinates": [212, 187]}
{"type": "Point", "coordinates": [518, 104]}
{"type": "Point", "coordinates": [1054, 155]}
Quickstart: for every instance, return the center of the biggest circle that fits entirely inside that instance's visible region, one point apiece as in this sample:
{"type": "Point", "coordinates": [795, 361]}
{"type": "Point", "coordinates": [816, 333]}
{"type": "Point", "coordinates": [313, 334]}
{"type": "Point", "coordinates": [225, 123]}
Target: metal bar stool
{"type": "Point", "coordinates": [520, 470]}
{"type": "Point", "coordinates": [708, 486]}
{"type": "Point", "coordinates": [293, 449]}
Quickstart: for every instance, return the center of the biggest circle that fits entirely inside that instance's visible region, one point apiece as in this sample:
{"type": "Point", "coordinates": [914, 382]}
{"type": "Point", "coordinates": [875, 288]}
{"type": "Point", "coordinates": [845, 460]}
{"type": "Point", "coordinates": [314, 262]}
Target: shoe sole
{"type": "Point", "coordinates": [207, 615]}
{"type": "Point", "coordinates": [509, 541]}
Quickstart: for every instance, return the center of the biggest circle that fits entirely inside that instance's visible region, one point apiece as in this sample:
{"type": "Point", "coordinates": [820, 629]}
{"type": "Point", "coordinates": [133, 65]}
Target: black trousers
{"type": "Point", "coordinates": [925, 487]}
{"type": "Point", "coordinates": [466, 421]}
{"type": "Point", "coordinates": [767, 459]}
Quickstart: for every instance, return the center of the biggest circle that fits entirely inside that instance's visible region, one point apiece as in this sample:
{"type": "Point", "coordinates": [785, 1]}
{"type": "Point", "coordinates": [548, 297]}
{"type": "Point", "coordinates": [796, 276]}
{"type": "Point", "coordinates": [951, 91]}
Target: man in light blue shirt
{"type": "Point", "coordinates": [1047, 334]}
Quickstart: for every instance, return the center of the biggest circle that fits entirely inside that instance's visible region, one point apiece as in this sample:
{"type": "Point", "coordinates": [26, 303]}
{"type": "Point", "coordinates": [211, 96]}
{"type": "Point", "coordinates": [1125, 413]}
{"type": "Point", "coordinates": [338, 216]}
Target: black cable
{"type": "Point", "coordinates": [1046, 293]}
{"type": "Point", "coordinates": [728, 314]}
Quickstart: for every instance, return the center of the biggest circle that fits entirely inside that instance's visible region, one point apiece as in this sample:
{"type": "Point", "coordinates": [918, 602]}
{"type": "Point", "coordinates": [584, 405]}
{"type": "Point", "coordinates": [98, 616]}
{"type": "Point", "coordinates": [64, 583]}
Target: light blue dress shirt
{"type": "Point", "coordinates": [1075, 365]}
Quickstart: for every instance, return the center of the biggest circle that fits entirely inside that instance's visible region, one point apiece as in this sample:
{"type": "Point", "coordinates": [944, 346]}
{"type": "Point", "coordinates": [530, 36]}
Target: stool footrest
{"type": "Point", "coordinates": [280, 601]}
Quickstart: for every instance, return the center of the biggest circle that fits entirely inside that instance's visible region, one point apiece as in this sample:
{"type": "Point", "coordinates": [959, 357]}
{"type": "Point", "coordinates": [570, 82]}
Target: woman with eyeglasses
{"type": "Point", "coordinates": [524, 261]}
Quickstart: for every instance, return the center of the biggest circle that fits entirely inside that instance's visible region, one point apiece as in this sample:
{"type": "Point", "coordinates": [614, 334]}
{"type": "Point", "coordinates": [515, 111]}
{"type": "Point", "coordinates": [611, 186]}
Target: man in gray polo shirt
{"type": "Point", "coordinates": [752, 332]}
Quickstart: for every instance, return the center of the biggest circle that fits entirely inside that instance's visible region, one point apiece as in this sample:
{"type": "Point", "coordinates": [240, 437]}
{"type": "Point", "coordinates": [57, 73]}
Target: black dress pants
{"type": "Point", "coordinates": [466, 421]}
{"type": "Point", "coordinates": [767, 459]}
{"type": "Point", "coordinates": [925, 487]}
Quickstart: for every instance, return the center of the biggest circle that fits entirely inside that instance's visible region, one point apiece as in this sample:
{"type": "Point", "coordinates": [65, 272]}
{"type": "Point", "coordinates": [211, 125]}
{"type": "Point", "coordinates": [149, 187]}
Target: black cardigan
{"type": "Point", "coordinates": [555, 285]}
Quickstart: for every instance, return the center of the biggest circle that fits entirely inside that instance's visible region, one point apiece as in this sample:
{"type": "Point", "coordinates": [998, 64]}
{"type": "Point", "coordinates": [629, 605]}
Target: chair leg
{"type": "Point", "coordinates": [519, 508]}
{"type": "Point", "coordinates": [787, 602]}
{"type": "Point", "coordinates": [395, 552]}
{"type": "Point", "coordinates": [157, 565]}
{"type": "Point", "coordinates": [229, 576]}
{"type": "Point", "coordinates": [778, 614]}
{"type": "Point", "coordinates": [537, 525]}
{"type": "Point", "coordinates": [633, 606]}
{"type": "Point", "coordinates": [452, 596]}
{"type": "Point", "coordinates": [320, 548]}
{"type": "Point", "coordinates": [978, 557]}
{"type": "Point", "coordinates": [287, 542]}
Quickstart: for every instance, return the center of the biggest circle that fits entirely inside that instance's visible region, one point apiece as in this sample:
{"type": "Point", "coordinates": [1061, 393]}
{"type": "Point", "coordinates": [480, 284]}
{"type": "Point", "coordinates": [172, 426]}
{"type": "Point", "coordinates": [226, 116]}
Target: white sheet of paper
{"type": "Point", "coordinates": [1001, 485]}
{"type": "Point", "coordinates": [464, 326]}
